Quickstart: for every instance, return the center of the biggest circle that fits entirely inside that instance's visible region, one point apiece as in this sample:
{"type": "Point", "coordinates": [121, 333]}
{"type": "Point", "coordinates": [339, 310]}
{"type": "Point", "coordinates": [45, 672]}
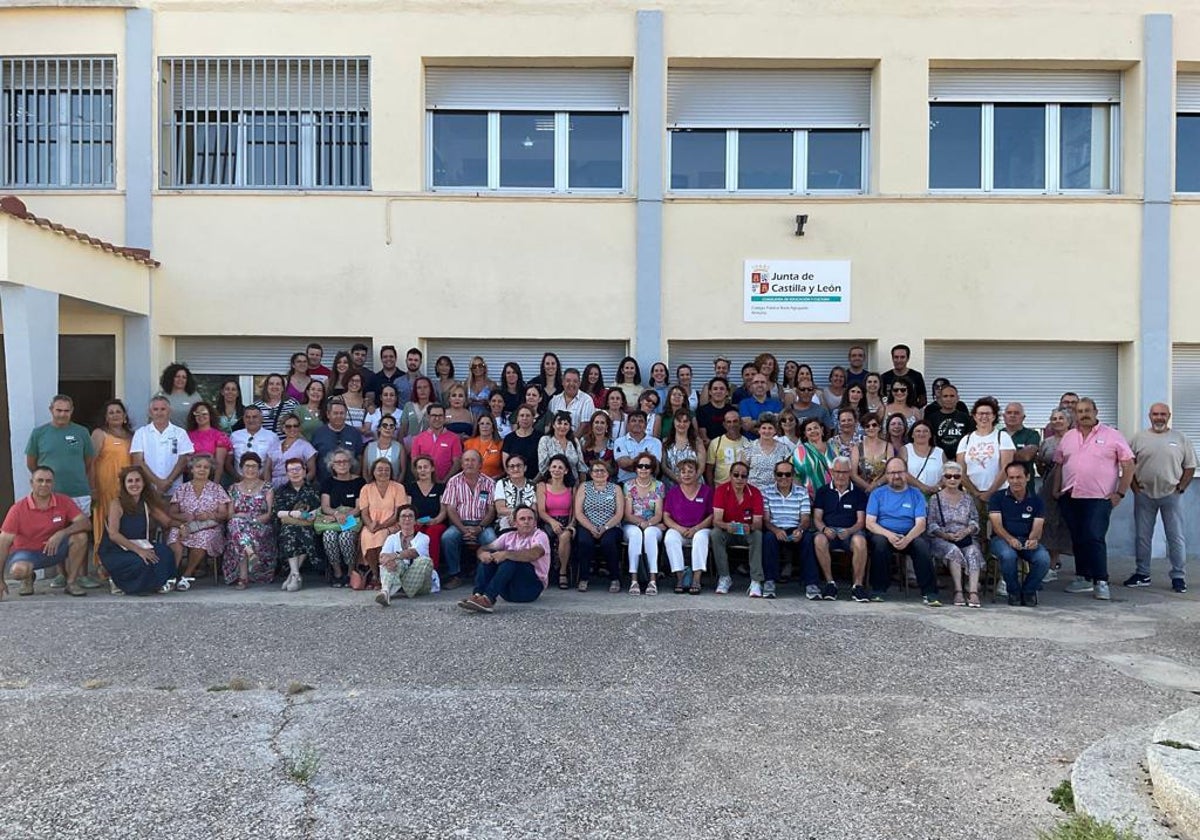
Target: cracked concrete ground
{"type": "Point", "coordinates": [582, 715]}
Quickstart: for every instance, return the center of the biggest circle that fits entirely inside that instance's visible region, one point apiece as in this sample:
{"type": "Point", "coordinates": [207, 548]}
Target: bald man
{"type": "Point", "coordinates": [1164, 464]}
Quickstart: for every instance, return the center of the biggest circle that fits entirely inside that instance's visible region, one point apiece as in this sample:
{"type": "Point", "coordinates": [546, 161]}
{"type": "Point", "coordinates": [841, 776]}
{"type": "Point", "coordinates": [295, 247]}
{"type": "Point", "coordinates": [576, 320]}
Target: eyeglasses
{"type": "Point", "coordinates": [645, 467]}
{"type": "Point", "coordinates": [895, 472]}
{"type": "Point", "coordinates": [949, 477]}
{"type": "Point", "coordinates": [899, 390]}
{"type": "Point", "coordinates": [784, 474]}
{"type": "Point", "coordinates": [739, 475]}
{"type": "Point", "coordinates": [478, 367]}
{"type": "Point", "coordinates": [295, 426]}
{"type": "Point", "coordinates": [805, 390]}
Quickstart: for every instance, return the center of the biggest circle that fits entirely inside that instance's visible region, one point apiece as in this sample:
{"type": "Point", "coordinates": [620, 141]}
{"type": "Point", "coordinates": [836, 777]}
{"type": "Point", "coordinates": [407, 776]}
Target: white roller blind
{"type": "Point", "coordinates": [1050, 86]}
{"type": "Point", "coordinates": [243, 356]}
{"type": "Point", "coordinates": [819, 355]}
{"type": "Point", "coordinates": [1034, 374]}
{"type": "Point", "coordinates": [1185, 390]}
{"type": "Point", "coordinates": [768, 98]}
{"type": "Point", "coordinates": [526, 89]}
{"type": "Point", "coordinates": [287, 83]}
{"type": "Point", "coordinates": [527, 354]}
{"type": "Point", "coordinates": [1187, 93]}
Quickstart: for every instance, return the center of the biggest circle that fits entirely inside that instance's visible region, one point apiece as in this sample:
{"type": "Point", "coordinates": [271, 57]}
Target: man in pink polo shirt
{"type": "Point", "coordinates": [1097, 469]}
{"type": "Point", "coordinates": [512, 567]}
{"type": "Point", "coordinates": [443, 447]}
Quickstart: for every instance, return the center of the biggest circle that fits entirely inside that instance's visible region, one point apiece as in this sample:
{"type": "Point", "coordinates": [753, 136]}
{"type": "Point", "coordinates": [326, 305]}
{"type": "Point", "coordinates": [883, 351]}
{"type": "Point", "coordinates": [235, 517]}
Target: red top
{"type": "Point", "coordinates": [751, 505]}
{"type": "Point", "coordinates": [32, 525]}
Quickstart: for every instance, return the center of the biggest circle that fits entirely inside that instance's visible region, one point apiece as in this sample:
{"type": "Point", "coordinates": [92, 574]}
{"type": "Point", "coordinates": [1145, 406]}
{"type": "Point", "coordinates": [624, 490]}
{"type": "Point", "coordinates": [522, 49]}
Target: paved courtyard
{"type": "Point", "coordinates": [584, 715]}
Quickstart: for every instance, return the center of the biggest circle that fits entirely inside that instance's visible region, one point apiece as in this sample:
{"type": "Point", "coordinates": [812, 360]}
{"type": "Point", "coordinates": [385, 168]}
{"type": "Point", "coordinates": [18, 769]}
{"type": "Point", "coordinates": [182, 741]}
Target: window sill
{"type": "Point", "coordinates": [260, 191]}
{"type": "Point", "coordinates": [110, 191]}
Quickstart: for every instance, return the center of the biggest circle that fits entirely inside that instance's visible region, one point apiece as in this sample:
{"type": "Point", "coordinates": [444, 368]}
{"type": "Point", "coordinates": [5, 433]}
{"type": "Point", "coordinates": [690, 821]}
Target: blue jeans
{"type": "Point", "coordinates": [510, 580]}
{"type": "Point", "coordinates": [881, 563]}
{"type": "Point", "coordinates": [1088, 521]}
{"type": "Point", "coordinates": [452, 543]}
{"type": "Point", "coordinates": [1145, 512]}
{"type": "Point", "coordinates": [1037, 558]}
{"type": "Point", "coordinates": [37, 559]}
{"type": "Point", "coordinates": [802, 549]}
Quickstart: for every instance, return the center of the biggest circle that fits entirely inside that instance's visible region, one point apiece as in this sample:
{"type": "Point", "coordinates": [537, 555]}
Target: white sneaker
{"type": "Point", "coordinates": [724, 583]}
{"type": "Point", "coordinates": [1001, 589]}
{"type": "Point", "coordinates": [1051, 576]}
{"type": "Point", "coordinates": [293, 584]}
{"type": "Point", "coordinates": [1080, 585]}
{"type": "Point", "coordinates": [1100, 591]}
{"type": "Point", "coordinates": [755, 590]}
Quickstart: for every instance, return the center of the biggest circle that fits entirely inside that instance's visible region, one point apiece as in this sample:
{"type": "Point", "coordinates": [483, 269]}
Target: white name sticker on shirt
{"type": "Point", "coordinates": [906, 505]}
{"type": "Point", "coordinates": [1026, 515]}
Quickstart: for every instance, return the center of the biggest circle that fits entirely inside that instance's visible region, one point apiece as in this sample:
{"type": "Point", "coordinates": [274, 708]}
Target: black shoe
{"type": "Point", "coordinates": [859, 594]}
{"type": "Point", "coordinates": [1029, 599]}
{"type": "Point", "coordinates": [1014, 599]}
{"type": "Point", "coordinates": [829, 591]}
{"type": "Point", "coordinates": [1137, 580]}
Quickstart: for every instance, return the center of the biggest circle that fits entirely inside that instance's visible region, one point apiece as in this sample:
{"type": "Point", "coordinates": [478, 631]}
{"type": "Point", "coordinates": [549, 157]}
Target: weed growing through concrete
{"type": "Point", "coordinates": [235, 684]}
{"type": "Point", "coordinates": [296, 687]}
{"type": "Point", "coordinates": [1063, 795]}
{"type": "Point", "coordinates": [91, 685]}
{"type": "Point", "coordinates": [1083, 827]}
{"type": "Point", "coordinates": [303, 763]}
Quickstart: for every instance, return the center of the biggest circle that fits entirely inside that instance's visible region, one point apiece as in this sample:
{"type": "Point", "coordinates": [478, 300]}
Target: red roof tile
{"type": "Point", "coordinates": [10, 205]}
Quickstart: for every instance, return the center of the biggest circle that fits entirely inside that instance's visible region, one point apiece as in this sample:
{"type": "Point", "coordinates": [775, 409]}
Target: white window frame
{"type": "Point", "coordinates": [562, 150]}
{"type": "Point", "coordinates": [799, 164]}
{"type": "Point", "coordinates": [63, 88]}
{"type": "Point", "coordinates": [1053, 154]}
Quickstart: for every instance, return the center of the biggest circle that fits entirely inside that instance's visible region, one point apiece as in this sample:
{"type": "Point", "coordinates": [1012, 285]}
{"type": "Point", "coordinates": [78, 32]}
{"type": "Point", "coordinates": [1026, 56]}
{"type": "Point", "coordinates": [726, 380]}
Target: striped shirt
{"type": "Point", "coordinates": [786, 511]}
{"type": "Point", "coordinates": [471, 505]}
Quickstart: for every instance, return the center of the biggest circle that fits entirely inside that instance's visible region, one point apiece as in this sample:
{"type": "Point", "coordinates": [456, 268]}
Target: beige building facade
{"type": "Point", "coordinates": [1013, 186]}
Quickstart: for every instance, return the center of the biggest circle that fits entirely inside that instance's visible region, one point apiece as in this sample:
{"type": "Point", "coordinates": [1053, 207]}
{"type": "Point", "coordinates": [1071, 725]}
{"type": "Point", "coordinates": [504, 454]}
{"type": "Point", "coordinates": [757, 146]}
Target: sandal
{"type": "Point", "coordinates": [651, 587]}
{"type": "Point", "coordinates": [184, 584]}
{"type": "Point", "coordinates": [958, 598]}
{"type": "Point", "coordinates": [633, 587]}
{"type": "Point", "coordinates": [168, 586]}
{"type": "Point", "coordinates": [242, 583]}
{"type": "Point", "coordinates": [563, 582]}
{"type": "Point", "coordinates": [973, 599]}
{"type": "Point", "coordinates": [615, 587]}
{"type": "Point", "coordinates": [694, 588]}
{"type": "Point", "coordinates": [679, 588]}
{"type": "Point", "coordinates": [582, 587]}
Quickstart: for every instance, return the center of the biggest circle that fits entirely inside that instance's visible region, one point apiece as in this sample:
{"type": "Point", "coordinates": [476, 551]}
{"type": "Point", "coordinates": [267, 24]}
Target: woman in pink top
{"type": "Point", "coordinates": [207, 439]}
{"type": "Point", "coordinates": [380, 502]}
{"type": "Point", "coordinates": [556, 509]}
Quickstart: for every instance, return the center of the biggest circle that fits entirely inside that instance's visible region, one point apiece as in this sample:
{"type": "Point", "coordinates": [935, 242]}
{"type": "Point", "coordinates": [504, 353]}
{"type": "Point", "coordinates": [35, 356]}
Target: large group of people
{"type": "Point", "coordinates": [394, 481]}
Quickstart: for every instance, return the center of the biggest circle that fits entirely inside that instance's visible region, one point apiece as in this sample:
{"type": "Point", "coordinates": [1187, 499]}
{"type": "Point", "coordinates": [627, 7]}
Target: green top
{"type": "Point", "coordinates": [1026, 437]}
{"type": "Point", "coordinates": [63, 450]}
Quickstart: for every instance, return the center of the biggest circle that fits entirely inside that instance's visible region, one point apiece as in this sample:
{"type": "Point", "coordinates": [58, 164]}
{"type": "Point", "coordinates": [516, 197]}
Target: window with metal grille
{"type": "Point", "coordinates": [265, 123]}
{"type": "Point", "coordinates": [56, 121]}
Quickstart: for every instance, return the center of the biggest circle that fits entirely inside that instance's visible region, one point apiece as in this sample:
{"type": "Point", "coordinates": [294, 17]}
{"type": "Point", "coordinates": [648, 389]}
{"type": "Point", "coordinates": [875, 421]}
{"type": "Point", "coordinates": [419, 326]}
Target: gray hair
{"type": "Point", "coordinates": [204, 458]}
{"type": "Point", "coordinates": [841, 461]}
{"type": "Point", "coordinates": [340, 450]}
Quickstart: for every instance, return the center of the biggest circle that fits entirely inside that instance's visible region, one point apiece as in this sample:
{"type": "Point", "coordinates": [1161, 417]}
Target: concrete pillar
{"type": "Point", "coordinates": [31, 363]}
{"type": "Point", "coordinates": [139, 127]}
{"type": "Point", "coordinates": [650, 69]}
{"type": "Point", "coordinates": [137, 371]}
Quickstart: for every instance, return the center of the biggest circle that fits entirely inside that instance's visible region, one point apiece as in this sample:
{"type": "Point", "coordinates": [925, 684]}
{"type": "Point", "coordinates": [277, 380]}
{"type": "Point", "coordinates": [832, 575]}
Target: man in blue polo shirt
{"type": "Point", "coordinates": [1017, 518]}
{"type": "Point", "coordinates": [759, 402]}
{"type": "Point", "coordinates": [839, 515]}
{"type": "Point", "coordinates": [896, 522]}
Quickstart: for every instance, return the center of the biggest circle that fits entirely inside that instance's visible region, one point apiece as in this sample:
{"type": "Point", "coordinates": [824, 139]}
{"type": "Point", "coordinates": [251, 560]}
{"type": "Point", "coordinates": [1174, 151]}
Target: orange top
{"type": "Point", "coordinates": [380, 506]}
{"type": "Point", "coordinates": [489, 450]}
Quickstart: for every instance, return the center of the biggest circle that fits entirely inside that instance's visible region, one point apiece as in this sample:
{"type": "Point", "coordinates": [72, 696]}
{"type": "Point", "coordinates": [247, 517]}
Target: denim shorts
{"type": "Point", "coordinates": [37, 558]}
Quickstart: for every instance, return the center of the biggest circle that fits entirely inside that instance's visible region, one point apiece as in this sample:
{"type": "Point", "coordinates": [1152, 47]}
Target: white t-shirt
{"type": "Point", "coordinates": [263, 443]}
{"type": "Point", "coordinates": [982, 456]}
{"type": "Point", "coordinates": [393, 545]}
{"type": "Point", "coordinates": [927, 470]}
{"type": "Point", "coordinates": [161, 450]}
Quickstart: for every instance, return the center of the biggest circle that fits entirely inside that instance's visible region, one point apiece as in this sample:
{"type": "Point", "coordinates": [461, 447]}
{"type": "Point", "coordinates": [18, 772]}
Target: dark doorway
{"type": "Point", "coordinates": [87, 367]}
{"type": "Point", "coordinates": [6, 490]}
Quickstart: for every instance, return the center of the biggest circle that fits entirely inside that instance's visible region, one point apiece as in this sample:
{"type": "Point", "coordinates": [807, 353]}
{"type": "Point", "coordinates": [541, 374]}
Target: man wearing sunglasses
{"type": "Point", "coordinates": [786, 516]}
{"type": "Point", "coordinates": [738, 520]}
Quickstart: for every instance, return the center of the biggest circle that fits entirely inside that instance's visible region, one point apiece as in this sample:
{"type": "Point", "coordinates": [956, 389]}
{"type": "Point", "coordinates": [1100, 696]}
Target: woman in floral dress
{"type": "Point", "coordinates": [203, 506]}
{"type": "Point", "coordinates": [250, 549]}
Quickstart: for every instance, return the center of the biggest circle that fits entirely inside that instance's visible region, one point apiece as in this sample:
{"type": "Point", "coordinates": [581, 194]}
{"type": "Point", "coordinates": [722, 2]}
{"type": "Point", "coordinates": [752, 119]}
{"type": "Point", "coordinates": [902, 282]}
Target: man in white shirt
{"type": "Point", "coordinates": [581, 407]}
{"type": "Point", "coordinates": [254, 438]}
{"type": "Point", "coordinates": [161, 447]}
{"type": "Point", "coordinates": [633, 443]}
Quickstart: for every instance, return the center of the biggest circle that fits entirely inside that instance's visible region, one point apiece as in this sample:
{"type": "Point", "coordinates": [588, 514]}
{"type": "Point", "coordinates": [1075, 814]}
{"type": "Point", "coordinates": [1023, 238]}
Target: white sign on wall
{"type": "Point", "coordinates": [797, 291]}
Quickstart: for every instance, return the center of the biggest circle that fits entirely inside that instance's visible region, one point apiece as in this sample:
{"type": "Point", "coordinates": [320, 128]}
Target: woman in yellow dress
{"type": "Point", "coordinates": [111, 444]}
